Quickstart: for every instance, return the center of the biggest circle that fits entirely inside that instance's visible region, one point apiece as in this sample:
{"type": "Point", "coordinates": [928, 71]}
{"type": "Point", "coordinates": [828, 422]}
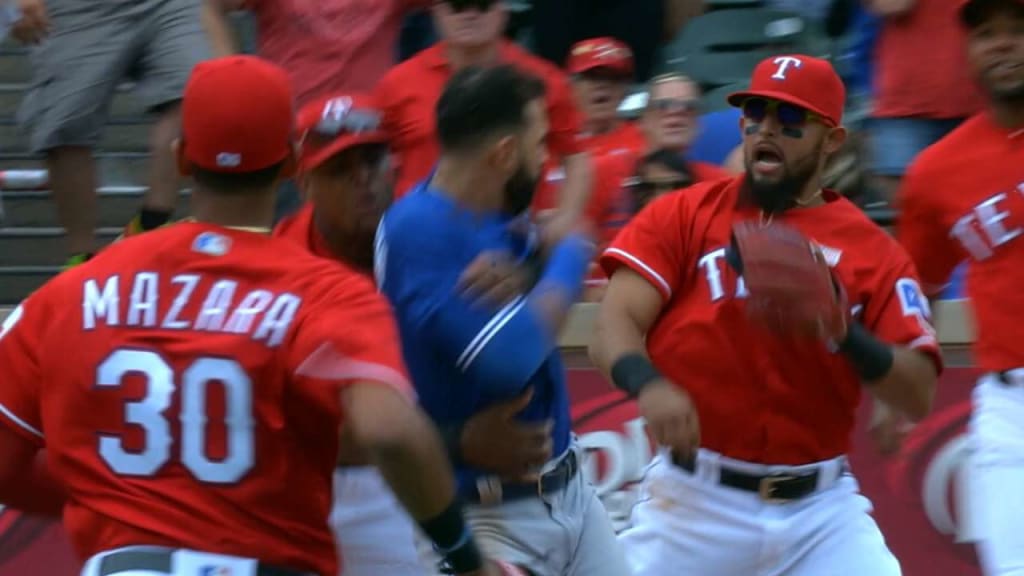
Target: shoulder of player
{"type": "Point", "coordinates": [419, 221]}
{"type": "Point", "coordinates": [856, 233]}
{"type": "Point", "coordinates": [945, 153]}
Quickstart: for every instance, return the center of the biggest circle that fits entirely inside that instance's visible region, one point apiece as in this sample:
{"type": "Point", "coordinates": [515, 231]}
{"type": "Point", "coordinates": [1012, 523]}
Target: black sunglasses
{"type": "Point", "coordinates": [684, 105]}
{"type": "Point", "coordinates": [788, 115]}
{"type": "Point", "coordinates": [348, 123]}
{"type": "Point", "coordinates": [462, 5]}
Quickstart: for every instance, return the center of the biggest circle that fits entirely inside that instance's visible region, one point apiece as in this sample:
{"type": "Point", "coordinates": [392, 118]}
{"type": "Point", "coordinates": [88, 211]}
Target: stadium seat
{"type": "Point", "coordinates": [722, 47]}
{"type": "Point", "coordinates": [715, 99]}
{"type": "Point", "coordinates": [711, 5]}
{"type": "Point", "coordinates": [712, 70]}
{"type": "Point", "coordinates": [633, 104]}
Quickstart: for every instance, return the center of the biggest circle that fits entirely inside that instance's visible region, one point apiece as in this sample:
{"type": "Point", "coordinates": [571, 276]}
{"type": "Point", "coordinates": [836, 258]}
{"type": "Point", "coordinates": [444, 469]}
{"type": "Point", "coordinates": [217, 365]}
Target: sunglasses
{"type": "Point", "coordinates": [349, 123]}
{"type": "Point", "coordinates": [462, 5]}
{"type": "Point", "coordinates": [686, 106]}
{"type": "Point", "coordinates": [788, 115]}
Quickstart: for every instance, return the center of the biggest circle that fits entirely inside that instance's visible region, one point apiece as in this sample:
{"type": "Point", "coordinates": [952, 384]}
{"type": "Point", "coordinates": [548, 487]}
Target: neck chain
{"type": "Point", "coordinates": [766, 218]}
{"type": "Point", "coordinates": [807, 202]}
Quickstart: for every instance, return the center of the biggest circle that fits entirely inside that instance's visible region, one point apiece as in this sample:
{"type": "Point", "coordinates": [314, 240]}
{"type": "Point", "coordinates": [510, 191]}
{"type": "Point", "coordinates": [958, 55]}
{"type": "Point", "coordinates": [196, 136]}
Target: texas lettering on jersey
{"type": "Point", "coordinates": [263, 314]}
{"type": "Point", "coordinates": [992, 223]}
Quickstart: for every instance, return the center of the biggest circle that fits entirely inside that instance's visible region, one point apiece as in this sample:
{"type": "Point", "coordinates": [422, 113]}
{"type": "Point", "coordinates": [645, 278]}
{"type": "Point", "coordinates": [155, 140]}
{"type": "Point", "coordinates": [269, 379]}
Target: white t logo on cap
{"type": "Point", "coordinates": [783, 63]}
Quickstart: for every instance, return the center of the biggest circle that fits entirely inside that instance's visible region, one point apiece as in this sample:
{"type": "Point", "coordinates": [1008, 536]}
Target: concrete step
{"type": "Point", "coordinates": [41, 246]}
{"type": "Point", "coordinates": [115, 168]}
{"type": "Point", "coordinates": [117, 205]}
{"type": "Point", "coordinates": [126, 103]}
{"type": "Point", "coordinates": [120, 135]}
{"type": "Point", "coordinates": [17, 282]}
{"type": "Point", "coordinates": [14, 65]}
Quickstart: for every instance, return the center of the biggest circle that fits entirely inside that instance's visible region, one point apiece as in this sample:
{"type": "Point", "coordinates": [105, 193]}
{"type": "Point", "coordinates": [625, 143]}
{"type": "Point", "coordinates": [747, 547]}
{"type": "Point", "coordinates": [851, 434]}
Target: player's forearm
{"type": "Point", "coordinates": [404, 444]}
{"type": "Point", "coordinates": [34, 490]}
{"type": "Point", "coordinates": [218, 29]}
{"type": "Point", "coordinates": [909, 386]}
{"type": "Point", "coordinates": [561, 282]}
{"type": "Point", "coordinates": [579, 183]}
{"type": "Point", "coordinates": [615, 336]}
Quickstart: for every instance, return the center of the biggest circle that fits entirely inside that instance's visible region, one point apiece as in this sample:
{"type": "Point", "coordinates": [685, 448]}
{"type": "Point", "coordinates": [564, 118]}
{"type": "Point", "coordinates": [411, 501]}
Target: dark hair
{"type": "Point", "coordinates": [478, 103]}
{"type": "Point", "coordinates": [674, 161]}
{"type": "Point", "coordinates": [236, 182]}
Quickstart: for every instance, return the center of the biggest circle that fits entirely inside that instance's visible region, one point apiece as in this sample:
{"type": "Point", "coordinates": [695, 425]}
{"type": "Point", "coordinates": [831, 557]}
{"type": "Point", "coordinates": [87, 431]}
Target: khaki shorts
{"type": "Point", "coordinates": [96, 45]}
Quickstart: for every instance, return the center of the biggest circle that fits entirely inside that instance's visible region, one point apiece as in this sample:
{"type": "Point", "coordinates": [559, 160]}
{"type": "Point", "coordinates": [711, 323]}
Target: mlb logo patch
{"type": "Point", "coordinates": [212, 243]}
{"type": "Point", "coordinates": [215, 571]}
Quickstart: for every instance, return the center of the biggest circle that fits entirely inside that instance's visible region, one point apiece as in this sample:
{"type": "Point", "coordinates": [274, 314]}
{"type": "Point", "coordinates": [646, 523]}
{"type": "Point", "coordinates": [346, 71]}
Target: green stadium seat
{"type": "Point", "coordinates": [714, 69]}
{"type": "Point", "coordinates": [731, 42]}
{"type": "Point", "coordinates": [712, 5]}
{"type": "Point", "coordinates": [715, 99]}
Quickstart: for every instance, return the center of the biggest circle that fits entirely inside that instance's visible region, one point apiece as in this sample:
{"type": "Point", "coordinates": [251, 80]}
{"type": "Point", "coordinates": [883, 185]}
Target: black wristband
{"type": "Point", "coordinates": [451, 435]}
{"type": "Point", "coordinates": [871, 357]}
{"type": "Point", "coordinates": [632, 372]}
{"type": "Point", "coordinates": [453, 539]}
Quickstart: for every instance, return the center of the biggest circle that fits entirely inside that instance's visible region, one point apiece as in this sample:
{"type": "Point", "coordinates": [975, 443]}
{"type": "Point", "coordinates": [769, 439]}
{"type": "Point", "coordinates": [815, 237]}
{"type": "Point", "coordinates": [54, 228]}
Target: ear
{"type": "Point", "coordinates": [835, 140]}
{"type": "Point", "coordinates": [178, 150]}
{"type": "Point", "coordinates": [504, 154]}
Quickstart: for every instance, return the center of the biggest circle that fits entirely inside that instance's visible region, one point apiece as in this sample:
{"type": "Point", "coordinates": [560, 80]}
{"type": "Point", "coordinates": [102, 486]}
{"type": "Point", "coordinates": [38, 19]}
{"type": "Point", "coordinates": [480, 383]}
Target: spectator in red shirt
{"type": "Point", "coordinates": [471, 35]}
{"type": "Point", "coordinates": [328, 46]}
{"type": "Point", "coordinates": [601, 70]}
{"type": "Point", "coordinates": [922, 83]}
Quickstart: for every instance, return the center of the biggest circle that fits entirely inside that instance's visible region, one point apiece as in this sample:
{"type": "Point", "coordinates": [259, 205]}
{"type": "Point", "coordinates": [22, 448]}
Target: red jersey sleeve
{"type": "Point", "coordinates": [21, 337]}
{"type": "Point", "coordinates": [652, 244]}
{"type": "Point", "coordinates": [898, 311]}
{"type": "Point", "coordinates": [920, 231]}
{"type": "Point", "coordinates": [349, 336]}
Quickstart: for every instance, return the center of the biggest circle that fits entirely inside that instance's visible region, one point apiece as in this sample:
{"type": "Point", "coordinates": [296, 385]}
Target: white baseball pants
{"type": "Point", "coordinates": [375, 536]}
{"type": "Point", "coordinates": [689, 524]}
{"type": "Point", "coordinates": [996, 498]}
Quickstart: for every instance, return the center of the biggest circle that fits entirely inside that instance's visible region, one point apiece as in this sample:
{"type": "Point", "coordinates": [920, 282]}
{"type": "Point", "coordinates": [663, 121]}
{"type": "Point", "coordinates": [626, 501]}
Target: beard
{"type": "Point", "coordinates": [519, 191]}
{"type": "Point", "coordinates": [773, 197]}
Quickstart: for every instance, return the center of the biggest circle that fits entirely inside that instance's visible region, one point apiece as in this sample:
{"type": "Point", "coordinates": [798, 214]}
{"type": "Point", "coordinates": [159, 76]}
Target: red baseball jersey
{"type": "Point", "coordinates": [761, 397]}
{"type": "Point", "coordinates": [963, 200]}
{"type": "Point", "coordinates": [185, 385]}
{"type": "Point", "coordinates": [624, 139]}
{"type": "Point", "coordinates": [299, 228]}
{"type": "Point", "coordinates": [408, 95]}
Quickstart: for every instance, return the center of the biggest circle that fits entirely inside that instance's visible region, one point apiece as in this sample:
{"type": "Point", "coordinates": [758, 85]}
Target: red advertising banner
{"type": "Point", "coordinates": [914, 492]}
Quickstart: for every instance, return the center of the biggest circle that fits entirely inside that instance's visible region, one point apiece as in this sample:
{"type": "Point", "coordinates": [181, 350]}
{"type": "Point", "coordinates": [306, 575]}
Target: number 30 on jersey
{"type": "Point", "coordinates": [148, 414]}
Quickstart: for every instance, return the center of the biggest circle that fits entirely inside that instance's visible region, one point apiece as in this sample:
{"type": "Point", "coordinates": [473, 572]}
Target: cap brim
{"type": "Point", "coordinates": [312, 160]}
{"type": "Point", "coordinates": [623, 69]}
{"type": "Point", "coordinates": [736, 99]}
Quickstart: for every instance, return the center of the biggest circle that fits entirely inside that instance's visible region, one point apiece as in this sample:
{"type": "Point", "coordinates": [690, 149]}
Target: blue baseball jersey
{"type": "Point", "coordinates": [464, 356]}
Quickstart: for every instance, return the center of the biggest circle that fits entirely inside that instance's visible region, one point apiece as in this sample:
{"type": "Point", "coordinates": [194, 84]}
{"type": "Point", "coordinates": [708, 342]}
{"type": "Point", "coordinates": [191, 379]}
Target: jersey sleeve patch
{"type": "Point", "coordinates": [912, 300]}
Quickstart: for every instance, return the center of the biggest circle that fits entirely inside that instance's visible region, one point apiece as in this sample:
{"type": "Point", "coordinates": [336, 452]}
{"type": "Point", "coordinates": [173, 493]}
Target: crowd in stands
{"type": "Point", "coordinates": [636, 88]}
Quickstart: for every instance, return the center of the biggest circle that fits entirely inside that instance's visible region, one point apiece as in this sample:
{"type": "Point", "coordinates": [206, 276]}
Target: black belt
{"type": "Point", "coordinates": [160, 561]}
{"type": "Point", "coordinates": [494, 492]}
{"type": "Point", "coordinates": [771, 488]}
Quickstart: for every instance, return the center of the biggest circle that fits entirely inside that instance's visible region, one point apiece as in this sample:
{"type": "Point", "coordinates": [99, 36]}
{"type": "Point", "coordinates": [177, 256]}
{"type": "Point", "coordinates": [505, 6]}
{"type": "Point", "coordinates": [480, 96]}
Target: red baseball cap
{"type": "Point", "coordinates": [972, 11]}
{"type": "Point", "coordinates": [237, 115]}
{"type": "Point", "coordinates": [800, 80]}
{"type": "Point", "coordinates": [335, 123]}
{"type": "Point", "coordinates": [601, 53]}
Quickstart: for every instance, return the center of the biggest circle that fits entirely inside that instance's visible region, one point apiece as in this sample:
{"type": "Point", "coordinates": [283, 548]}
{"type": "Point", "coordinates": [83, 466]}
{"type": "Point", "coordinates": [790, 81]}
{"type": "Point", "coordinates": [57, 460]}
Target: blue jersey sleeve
{"type": "Point", "coordinates": [497, 349]}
